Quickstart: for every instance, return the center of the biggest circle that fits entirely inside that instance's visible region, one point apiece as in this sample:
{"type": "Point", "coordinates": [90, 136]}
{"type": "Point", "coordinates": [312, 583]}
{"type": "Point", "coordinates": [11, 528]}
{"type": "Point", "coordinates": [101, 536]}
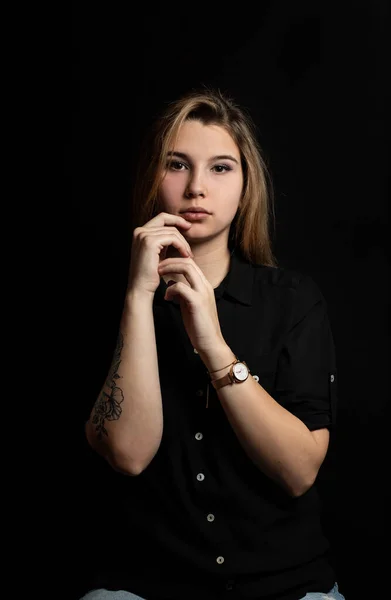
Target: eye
{"type": "Point", "coordinates": [175, 165]}
{"type": "Point", "coordinates": [221, 168]}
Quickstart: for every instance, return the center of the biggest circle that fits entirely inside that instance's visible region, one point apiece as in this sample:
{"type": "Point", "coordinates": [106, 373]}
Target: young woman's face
{"type": "Point", "coordinates": [205, 173]}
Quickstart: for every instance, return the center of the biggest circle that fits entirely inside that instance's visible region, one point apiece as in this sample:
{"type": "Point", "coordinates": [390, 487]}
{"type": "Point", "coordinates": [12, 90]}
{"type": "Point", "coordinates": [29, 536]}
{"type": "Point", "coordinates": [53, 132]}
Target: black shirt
{"type": "Point", "coordinates": [202, 518]}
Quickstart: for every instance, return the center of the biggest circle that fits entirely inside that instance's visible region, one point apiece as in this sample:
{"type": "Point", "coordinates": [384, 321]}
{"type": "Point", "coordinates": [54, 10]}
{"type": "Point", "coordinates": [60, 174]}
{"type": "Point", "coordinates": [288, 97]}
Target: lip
{"type": "Point", "coordinates": [195, 209]}
{"type": "Point", "coordinates": [194, 216]}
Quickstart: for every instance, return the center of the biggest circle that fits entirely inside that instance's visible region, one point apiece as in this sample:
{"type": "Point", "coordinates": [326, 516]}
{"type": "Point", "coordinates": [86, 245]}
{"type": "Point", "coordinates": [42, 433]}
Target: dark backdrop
{"type": "Point", "coordinates": [314, 77]}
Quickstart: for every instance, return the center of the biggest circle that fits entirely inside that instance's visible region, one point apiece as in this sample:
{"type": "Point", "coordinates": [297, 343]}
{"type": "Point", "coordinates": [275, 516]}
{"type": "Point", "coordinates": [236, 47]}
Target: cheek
{"type": "Point", "coordinates": [171, 190]}
{"type": "Point", "coordinates": [230, 194]}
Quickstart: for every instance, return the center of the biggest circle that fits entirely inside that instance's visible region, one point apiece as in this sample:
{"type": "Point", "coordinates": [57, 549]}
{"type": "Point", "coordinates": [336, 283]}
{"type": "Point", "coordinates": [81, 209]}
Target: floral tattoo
{"type": "Point", "coordinates": [108, 405]}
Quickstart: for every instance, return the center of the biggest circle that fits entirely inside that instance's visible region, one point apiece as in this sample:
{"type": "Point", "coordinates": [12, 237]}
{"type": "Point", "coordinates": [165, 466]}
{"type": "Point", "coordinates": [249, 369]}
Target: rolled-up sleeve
{"type": "Point", "coordinates": [306, 380]}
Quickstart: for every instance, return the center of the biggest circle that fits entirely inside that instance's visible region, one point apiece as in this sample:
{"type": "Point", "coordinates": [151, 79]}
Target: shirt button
{"type": "Point", "coordinates": [220, 560]}
{"type": "Point", "coordinates": [195, 351]}
{"type": "Point", "coordinates": [198, 436]}
{"type": "Point", "coordinates": [200, 392]}
{"type": "Point", "coordinates": [210, 518]}
{"type": "Point", "coordinates": [256, 377]}
{"type": "Point", "coordinates": [200, 477]}
{"type": "Point", "coordinates": [332, 378]}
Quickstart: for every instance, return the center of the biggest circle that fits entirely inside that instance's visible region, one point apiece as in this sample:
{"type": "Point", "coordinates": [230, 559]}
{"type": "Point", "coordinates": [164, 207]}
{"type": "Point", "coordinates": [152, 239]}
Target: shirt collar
{"type": "Point", "coordinates": [239, 281]}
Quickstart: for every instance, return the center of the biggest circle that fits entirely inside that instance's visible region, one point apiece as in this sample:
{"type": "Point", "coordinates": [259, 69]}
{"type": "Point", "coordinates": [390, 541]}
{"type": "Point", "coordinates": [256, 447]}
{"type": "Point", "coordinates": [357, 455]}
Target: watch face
{"type": "Point", "coordinates": [240, 371]}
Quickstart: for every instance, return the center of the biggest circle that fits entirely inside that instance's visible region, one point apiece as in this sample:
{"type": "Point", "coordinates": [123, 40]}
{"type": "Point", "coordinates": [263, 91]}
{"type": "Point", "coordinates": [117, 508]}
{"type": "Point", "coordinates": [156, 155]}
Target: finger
{"type": "Point", "coordinates": [180, 289]}
{"type": "Point", "coordinates": [184, 268]}
{"type": "Point", "coordinates": [165, 218]}
{"type": "Point", "coordinates": [175, 241]}
{"type": "Point", "coordinates": [178, 242]}
{"type": "Point", "coordinates": [189, 260]}
{"type": "Point", "coordinates": [158, 231]}
{"type": "Point", "coordinates": [181, 238]}
{"type": "Point", "coordinates": [168, 239]}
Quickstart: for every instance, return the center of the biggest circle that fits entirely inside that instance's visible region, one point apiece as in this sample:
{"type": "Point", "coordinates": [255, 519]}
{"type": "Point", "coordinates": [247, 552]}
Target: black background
{"type": "Point", "coordinates": [314, 77]}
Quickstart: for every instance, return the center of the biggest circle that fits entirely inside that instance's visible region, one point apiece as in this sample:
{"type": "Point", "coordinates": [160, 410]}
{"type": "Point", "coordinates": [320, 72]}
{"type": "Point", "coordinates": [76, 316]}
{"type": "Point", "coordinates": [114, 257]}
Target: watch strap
{"type": "Point", "coordinates": [219, 383]}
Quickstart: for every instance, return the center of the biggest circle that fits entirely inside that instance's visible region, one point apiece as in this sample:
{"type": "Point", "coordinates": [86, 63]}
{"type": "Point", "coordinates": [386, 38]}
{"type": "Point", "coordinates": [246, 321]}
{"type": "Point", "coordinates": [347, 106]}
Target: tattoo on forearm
{"type": "Point", "coordinates": [108, 405]}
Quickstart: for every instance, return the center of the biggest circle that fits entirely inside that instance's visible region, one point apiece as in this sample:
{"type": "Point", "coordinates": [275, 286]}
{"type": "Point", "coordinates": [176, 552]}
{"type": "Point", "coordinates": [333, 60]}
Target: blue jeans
{"type": "Point", "coordinates": [333, 594]}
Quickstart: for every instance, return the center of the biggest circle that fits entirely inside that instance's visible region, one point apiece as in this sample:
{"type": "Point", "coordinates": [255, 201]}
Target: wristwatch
{"type": "Point", "coordinates": [238, 373]}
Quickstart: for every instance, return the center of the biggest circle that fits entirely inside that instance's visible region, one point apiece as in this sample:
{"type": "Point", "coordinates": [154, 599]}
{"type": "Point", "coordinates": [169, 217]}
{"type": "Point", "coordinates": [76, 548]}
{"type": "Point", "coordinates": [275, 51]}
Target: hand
{"type": "Point", "coordinates": [149, 247]}
{"type": "Point", "coordinates": [197, 303]}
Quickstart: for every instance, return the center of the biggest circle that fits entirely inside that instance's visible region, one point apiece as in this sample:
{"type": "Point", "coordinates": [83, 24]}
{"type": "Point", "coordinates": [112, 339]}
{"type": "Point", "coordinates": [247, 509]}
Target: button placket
{"type": "Point", "coordinates": [201, 477]}
{"type": "Point", "coordinates": [210, 517]}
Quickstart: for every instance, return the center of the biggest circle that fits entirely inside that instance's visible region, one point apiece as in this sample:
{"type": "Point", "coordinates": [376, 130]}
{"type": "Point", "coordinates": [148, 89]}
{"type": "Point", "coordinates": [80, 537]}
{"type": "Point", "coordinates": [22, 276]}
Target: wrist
{"type": "Point", "coordinates": [217, 359]}
{"type": "Point", "coordinates": [133, 296]}
{"type": "Point", "coordinates": [136, 304]}
{"type": "Point", "coordinates": [222, 372]}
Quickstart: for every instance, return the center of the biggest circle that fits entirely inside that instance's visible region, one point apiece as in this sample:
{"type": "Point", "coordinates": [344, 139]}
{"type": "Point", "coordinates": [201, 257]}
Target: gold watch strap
{"type": "Point", "coordinates": [227, 378]}
{"type": "Point", "coordinates": [219, 383]}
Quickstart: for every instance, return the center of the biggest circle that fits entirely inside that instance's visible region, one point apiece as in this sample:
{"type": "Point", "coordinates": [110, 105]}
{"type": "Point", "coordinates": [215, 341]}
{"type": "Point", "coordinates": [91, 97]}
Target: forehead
{"type": "Point", "coordinates": [196, 137]}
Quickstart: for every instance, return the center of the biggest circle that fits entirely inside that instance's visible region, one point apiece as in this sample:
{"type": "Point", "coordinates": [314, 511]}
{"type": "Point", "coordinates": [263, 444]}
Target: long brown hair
{"type": "Point", "coordinates": [250, 227]}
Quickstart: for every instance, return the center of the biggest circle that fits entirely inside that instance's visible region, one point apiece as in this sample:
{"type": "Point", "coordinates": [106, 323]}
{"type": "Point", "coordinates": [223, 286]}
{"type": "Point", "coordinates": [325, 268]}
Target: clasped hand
{"type": "Point", "coordinates": [196, 300]}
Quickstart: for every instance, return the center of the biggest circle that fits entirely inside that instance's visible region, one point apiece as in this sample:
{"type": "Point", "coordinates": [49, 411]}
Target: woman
{"type": "Point", "coordinates": [221, 394]}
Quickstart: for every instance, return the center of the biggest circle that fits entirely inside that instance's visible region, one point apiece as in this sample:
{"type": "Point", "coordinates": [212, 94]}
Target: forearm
{"type": "Point", "coordinates": [126, 422]}
{"type": "Point", "coordinates": [275, 440]}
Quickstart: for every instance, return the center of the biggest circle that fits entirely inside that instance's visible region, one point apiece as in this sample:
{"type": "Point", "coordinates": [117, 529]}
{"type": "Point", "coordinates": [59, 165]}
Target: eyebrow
{"type": "Point", "coordinates": [218, 157]}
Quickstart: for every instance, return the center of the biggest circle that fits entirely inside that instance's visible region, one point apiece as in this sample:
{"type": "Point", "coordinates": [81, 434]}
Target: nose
{"type": "Point", "coordinates": [195, 187]}
{"type": "Point", "coordinates": [191, 193]}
